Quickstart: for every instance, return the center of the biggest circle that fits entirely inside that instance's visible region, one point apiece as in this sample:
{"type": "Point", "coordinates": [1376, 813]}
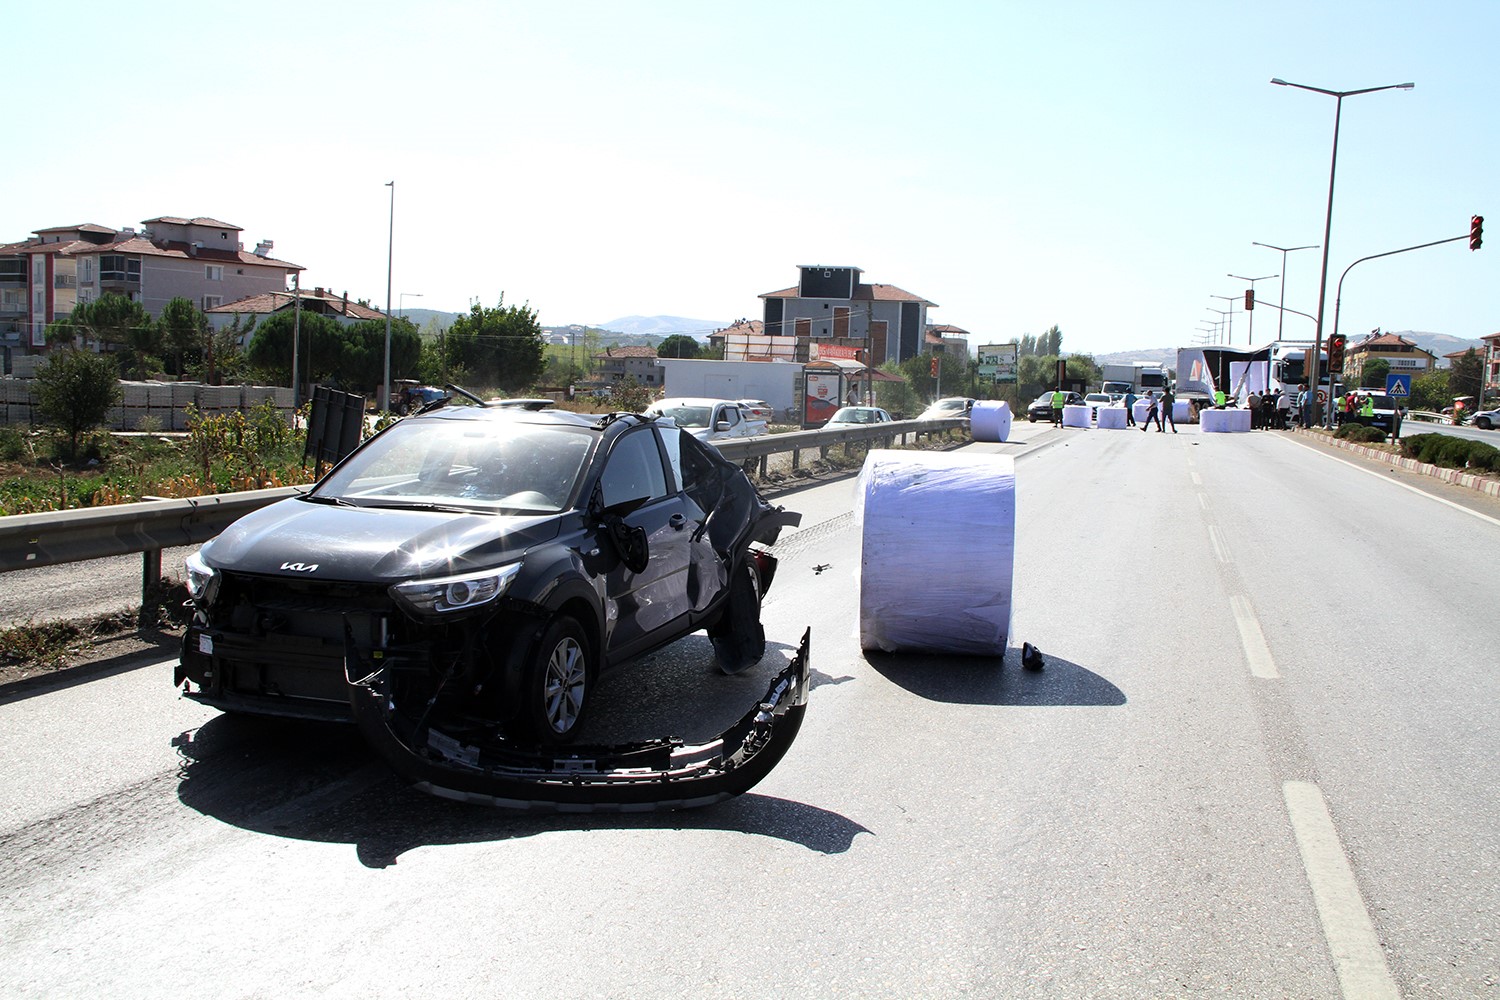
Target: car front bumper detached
{"type": "Point", "coordinates": [660, 774]}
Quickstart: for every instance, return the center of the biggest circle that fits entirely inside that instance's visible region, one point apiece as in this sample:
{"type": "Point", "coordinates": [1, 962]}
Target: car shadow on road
{"type": "Point", "coordinates": [988, 680]}
{"type": "Point", "coordinates": [320, 782]}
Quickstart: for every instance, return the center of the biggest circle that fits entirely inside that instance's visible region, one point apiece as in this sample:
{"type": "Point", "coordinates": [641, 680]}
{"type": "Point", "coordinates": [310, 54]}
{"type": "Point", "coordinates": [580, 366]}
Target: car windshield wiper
{"type": "Point", "coordinates": [442, 508]}
{"type": "Point", "coordinates": [328, 499]}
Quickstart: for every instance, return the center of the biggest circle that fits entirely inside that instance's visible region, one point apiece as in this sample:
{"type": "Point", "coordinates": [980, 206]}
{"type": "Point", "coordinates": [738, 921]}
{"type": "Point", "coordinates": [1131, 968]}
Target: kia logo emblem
{"type": "Point", "coordinates": [299, 567]}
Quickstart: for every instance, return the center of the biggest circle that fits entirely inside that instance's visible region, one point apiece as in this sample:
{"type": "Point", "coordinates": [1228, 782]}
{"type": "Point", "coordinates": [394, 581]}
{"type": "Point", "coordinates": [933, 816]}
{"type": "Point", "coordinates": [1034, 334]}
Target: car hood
{"type": "Point", "coordinates": [371, 544]}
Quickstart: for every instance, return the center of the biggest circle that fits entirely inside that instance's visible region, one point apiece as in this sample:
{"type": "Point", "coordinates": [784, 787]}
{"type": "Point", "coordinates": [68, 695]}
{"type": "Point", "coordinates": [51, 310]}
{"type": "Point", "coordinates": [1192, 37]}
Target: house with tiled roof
{"type": "Point", "coordinates": [615, 364]}
{"type": "Point", "coordinates": [201, 259]}
{"type": "Point", "coordinates": [1404, 357]}
{"type": "Point", "coordinates": [947, 339]}
{"type": "Point", "coordinates": [1491, 355]}
{"type": "Point", "coordinates": [313, 300]}
{"type": "Point", "coordinates": [832, 305]}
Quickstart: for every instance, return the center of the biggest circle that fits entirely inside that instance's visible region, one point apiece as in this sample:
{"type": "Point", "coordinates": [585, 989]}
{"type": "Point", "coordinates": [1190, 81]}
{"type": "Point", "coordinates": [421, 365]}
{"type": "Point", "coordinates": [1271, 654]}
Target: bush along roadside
{"type": "Point", "coordinates": [1449, 452]}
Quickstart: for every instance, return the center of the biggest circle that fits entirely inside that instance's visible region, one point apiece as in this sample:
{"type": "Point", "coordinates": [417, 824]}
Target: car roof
{"type": "Point", "coordinates": [691, 401]}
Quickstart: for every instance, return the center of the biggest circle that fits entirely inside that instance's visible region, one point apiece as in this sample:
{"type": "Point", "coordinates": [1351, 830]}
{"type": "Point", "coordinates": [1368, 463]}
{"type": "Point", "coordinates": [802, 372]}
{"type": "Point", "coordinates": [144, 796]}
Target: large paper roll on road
{"type": "Point", "coordinates": [990, 420]}
{"type": "Point", "coordinates": [938, 536]}
{"type": "Point", "coordinates": [1111, 418]}
{"type": "Point", "coordinates": [1078, 416]}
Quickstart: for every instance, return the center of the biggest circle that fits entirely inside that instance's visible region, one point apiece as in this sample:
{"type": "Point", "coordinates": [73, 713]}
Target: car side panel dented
{"type": "Point", "coordinates": [661, 774]}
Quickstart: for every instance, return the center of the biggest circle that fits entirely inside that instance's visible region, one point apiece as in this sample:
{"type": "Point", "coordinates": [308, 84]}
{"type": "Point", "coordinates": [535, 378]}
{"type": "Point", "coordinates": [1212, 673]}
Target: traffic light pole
{"type": "Point", "coordinates": [1339, 298]}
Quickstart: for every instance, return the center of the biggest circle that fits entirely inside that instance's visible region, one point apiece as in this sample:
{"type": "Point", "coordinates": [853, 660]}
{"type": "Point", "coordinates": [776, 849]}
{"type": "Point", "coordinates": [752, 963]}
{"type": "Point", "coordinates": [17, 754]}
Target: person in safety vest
{"type": "Point", "coordinates": [1058, 398]}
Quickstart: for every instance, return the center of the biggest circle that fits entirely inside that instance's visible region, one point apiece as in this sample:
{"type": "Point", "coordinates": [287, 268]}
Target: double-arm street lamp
{"type": "Point", "coordinates": [1226, 313]}
{"type": "Point", "coordinates": [1284, 252]}
{"type": "Point", "coordinates": [1250, 300]}
{"type": "Point", "coordinates": [1315, 359]}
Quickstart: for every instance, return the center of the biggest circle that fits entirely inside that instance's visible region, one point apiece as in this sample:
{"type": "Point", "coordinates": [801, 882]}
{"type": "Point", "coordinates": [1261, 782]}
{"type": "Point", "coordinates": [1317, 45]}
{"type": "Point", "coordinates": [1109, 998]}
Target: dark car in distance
{"type": "Point", "coordinates": [485, 563]}
{"type": "Point", "coordinates": [1041, 407]}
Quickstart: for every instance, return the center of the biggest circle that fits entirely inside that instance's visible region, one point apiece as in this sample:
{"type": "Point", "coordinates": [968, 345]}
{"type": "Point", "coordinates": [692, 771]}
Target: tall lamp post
{"type": "Point", "coordinates": [1229, 331]}
{"type": "Point", "coordinates": [1284, 251]}
{"type": "Point", "coordinates": [1250, 337]}
{"type": "Point", "coordinates": [384, 395]}
{"type": "Point", "coordinates": [1316, 358]}
{"type": "Point", "coordinates": [403, 297]}
{"type": "Point", "coordinates": [1222, 322]}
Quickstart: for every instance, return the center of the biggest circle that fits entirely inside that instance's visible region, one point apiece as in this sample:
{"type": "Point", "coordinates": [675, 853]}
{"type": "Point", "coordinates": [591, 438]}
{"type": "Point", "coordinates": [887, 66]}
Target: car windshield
{"type": "Point", "coordinates": [855, 415]}
{"type": "Point", "coordinates": [483, 465]}
{"type": "Point", "coordinates": [686, 416]}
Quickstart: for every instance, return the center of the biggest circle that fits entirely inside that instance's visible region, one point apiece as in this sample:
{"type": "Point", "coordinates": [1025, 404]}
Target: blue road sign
{"type": "Point", "coordinates": [1398, 386]}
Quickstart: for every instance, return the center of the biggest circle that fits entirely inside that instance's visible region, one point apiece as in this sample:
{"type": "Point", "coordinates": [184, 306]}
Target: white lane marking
{"type": "Point", "coordinates": [1203, 500]}
{"type": "Point", "coordinates": [1197, 479]}
{"type": "Point", "coordinates": [1257, 653]}
{"type": "Point", "coordinates": [1220, 549]}
{"type": "Point", "coordinates": [1396, 482]}
{"type": "Point", "coordinates": [1357, 955]}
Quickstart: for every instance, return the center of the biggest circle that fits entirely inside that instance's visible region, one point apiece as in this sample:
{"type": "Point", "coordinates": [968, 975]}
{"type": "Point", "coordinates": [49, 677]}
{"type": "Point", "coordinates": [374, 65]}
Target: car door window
{"type": "Point", "coordinates": [634, 469]}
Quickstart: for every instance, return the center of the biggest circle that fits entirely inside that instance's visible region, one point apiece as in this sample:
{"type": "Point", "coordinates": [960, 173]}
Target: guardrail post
{"type": "Point", "coordinates": [150, 586]}
{"type": "Point", "coordinates": [796, 459]}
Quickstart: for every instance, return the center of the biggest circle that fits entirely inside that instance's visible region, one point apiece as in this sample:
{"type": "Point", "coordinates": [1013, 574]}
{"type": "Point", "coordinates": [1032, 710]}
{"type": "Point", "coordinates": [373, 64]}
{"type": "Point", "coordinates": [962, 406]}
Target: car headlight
{"type": "Point", "coordinates": [202, 580]}
{"type": "Point", "coordinates": [464, 592]}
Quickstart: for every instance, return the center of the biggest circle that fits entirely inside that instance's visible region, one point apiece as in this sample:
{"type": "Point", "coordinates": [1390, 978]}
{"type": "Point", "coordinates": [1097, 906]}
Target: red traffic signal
{"type": "Point", "coordinates": [1249, 299]}
{"type": "Point", "coordinates": [1336, 353]}
{"type": "Point", "coordinates": [1476, 232]}
{"type": "Point", "coordinates": [934, 366]}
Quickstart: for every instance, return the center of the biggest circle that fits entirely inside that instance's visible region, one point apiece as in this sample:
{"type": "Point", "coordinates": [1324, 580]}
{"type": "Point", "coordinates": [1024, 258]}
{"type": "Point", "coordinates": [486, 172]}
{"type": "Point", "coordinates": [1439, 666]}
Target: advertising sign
{"type": "Point", "coordinates": [997, 362]}
{"type": "Point", "coordinates": [820, 399]}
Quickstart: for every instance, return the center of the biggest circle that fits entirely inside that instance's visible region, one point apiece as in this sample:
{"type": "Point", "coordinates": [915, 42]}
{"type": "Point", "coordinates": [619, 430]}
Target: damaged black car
{"type": "Point", "coordinates": [457, 584]}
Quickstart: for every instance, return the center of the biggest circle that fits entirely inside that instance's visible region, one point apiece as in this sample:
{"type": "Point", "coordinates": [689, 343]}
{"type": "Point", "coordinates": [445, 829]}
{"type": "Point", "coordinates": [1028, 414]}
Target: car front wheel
{"type": "Point", "coordinates": [1483, 423]}
{"type": "Point", "coordinates": [738, 637]}
{"type": "Point", "coordinates": [558, 682]}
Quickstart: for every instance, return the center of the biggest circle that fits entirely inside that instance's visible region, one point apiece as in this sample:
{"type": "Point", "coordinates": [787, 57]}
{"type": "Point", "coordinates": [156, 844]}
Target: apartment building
{"type": "Point", "coordinates": [203, 260]}
{"type": "Point", "coordinates": [1403, 356]}
{"type": "Point", "coordinates": [831, 305]}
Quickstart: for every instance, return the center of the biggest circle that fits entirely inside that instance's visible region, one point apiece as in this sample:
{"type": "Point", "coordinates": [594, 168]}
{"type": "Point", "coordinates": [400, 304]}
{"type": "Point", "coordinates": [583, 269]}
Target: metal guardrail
{"type": "Point", "coordinates": [28, 541]}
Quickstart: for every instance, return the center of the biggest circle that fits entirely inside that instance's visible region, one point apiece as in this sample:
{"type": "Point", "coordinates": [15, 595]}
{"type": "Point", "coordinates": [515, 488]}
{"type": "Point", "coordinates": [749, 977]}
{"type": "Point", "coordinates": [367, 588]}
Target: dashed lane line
{"type": "Point", "coordinates": [1253, 640]}
{"type": "Point", "coordinates": [1357, 956]}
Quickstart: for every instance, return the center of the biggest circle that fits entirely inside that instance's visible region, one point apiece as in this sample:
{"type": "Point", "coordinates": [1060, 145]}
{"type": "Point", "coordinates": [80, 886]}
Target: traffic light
{"type": "Point", "coordinates": [1476, 232]}
{"type": "Point", "coordinates": [934, 366]}
{"type": "Point", "coordinates": [1249, 299]}
{"type": "Point", "coordinates": [1336, 354]}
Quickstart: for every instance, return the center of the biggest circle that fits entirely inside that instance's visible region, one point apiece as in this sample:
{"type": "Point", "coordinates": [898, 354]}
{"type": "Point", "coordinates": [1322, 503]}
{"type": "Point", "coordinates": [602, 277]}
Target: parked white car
{"type": "Point", "coordinates": [1095, 400]}
{"type": "Point", "coordinates": [710, 419]}
{"type": "Point", "coordinates": [759, 409]}
{"type": "Point", "coordinates": [852, 415]}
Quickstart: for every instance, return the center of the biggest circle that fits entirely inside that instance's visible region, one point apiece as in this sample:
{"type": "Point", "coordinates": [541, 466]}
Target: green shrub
{"type": "Point", "coordinates": [1484, 457]}
{"type": "Point", "coordinates": [1432, 447]}
{"type": "Point", "coordinates": [13, 445]}
{"type": "Point", "coordinates": [1411, 447]}
{"type": "Point", "coordinates": [1453, 453]}
{"type": "Point", "coordinates": [1360, 434]}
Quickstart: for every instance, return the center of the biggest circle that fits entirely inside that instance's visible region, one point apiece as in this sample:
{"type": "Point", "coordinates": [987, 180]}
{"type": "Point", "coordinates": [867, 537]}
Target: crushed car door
{"type": "Point", "coordinates": [645, 601]}
{"type": "Point", "coordinates": [700, 477]}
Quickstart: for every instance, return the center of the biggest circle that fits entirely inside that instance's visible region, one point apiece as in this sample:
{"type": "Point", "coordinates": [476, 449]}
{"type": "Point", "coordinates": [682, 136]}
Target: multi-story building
{"type": "Point", "coordinates": [946, 339]}
{"type": "Point", "coordinates": [618, 363]}
{"type": "Point", "coordinates": [1404, 357]}
{"type": "Point", "coordinates": [313, 300]}
{"type": "Point", "coordinates": [830, 305]}
{"type": "Point", "coordinates": [199, 259]}
{"type": "Point", "coordinates": [1491, 356]}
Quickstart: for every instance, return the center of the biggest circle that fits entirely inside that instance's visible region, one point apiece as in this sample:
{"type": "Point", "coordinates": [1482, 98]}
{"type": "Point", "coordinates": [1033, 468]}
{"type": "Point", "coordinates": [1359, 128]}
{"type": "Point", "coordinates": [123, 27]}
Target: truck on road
{"type": "Point", "coordinates": [1132, 376]}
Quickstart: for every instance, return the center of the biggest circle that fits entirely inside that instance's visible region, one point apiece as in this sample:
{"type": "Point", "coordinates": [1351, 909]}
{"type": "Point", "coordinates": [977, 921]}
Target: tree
{"type": "Point", "coordinates": [679, 345]}
{"type": "Point", "coordinates": [1051, 341]}
{"type": "Point", "coordinates": [1430, 391]}
{"type": "Point", "coordinates": [75, 390]}
{"type": "Point", "coordinates": [502, 345]}
{"type": "Point", "coordinates": [1466, 376]}
{"type": "Point", "coordinates": [116, 321]}
{"type": "Point", "coordinates": [1372, 376]}
{"type": "Point", "coordinates": [185, 332]}
{"type": "Point", "coordinates": [319, 347]}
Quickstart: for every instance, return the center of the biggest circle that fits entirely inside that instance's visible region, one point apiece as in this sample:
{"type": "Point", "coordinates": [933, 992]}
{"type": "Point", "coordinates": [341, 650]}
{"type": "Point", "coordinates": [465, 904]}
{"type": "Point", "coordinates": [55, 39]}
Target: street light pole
{"type": "Point", "coordinates": [1229, 334]}
{"type": "Point", "coordinates": [1250, 337]}
{"type": "Point", "coordinates": [1316, 358]}
{"type": "Point", "coordinates": [1221, 312]}
{"type": "Point", "coordinates": [403, 297]}
{"type": "Point", "coordinates": [1282, 282]}
{"type": "Point", "coordinates": [383, 397]}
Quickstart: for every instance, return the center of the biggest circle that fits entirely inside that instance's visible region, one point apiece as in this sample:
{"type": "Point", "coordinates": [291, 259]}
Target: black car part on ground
{"type": "Point", "coordinates": [479, 765]}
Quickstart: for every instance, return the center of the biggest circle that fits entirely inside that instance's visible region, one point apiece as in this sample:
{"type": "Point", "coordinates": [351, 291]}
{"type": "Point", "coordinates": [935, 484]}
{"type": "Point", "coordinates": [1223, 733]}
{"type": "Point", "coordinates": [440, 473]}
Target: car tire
{"type": "Point", "coordinates": [738, 637]}
{"type": "Point", "coordinates": [558, 682]}
{"type": "Point", "coordinates": [1483, 423]}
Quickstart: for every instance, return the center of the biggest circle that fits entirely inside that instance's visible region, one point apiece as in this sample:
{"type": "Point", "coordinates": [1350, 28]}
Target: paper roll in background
{"type": "Point", "coordinates": [1141, 409]}
{"type": "Point", "coordinates": [938, 543]}
{"type": "Point", "coordinates": [1229, 421]}
{"type": "Point", "coordinates": [989, 420]}
{"type": "Point", "coordinates": [1182, 411]}
{"type": "Point", "coordinates": [1111, 418]}
{"type": "Point", "coordinates": [1078, 416]}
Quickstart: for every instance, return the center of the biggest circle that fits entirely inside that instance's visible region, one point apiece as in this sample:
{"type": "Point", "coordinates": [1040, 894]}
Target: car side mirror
{"type": "Point", "coordinates": [722, 425]}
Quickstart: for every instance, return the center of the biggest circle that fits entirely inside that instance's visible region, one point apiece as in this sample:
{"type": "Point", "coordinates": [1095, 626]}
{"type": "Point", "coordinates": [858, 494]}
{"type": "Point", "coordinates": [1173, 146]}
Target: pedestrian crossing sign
{"type": "Point", "coordinates": [1398, 386]}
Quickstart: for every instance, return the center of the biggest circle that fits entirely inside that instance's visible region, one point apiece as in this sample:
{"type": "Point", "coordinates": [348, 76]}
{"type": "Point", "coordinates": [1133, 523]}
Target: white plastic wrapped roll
{"type": "Point", "coordinates": [1182, 411]}
{"type": "Point", "coordinates": [1141, 409]}
{"type": "Point", "coordinates": [1078, 416]}
{"type": "Point", "coordinates": [990, 420]}
{"type": "Point", "coordinates": [1230, 421]}
{"type": "Point", "coordinates": [1111, 418]}
{"type": "Point", "coordinates": [938, 535]}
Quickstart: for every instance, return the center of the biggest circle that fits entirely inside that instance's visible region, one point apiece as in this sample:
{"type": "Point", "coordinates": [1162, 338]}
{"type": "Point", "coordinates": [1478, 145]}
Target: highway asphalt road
{"type": "Point", "coordinates": [1259, 763]}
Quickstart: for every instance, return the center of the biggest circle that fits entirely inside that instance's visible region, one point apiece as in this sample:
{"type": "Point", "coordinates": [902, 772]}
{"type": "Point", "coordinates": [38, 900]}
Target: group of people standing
{"type": "Point", "coordinates": [1158, 408]}
{"type": "Point", "coordinates": [1268, 410]}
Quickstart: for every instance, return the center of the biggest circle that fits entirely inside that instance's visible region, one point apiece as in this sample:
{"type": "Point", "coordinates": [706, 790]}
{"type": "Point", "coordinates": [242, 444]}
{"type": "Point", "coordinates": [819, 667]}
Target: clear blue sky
{"type": "Point", "coordinates": [1100, 166]}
